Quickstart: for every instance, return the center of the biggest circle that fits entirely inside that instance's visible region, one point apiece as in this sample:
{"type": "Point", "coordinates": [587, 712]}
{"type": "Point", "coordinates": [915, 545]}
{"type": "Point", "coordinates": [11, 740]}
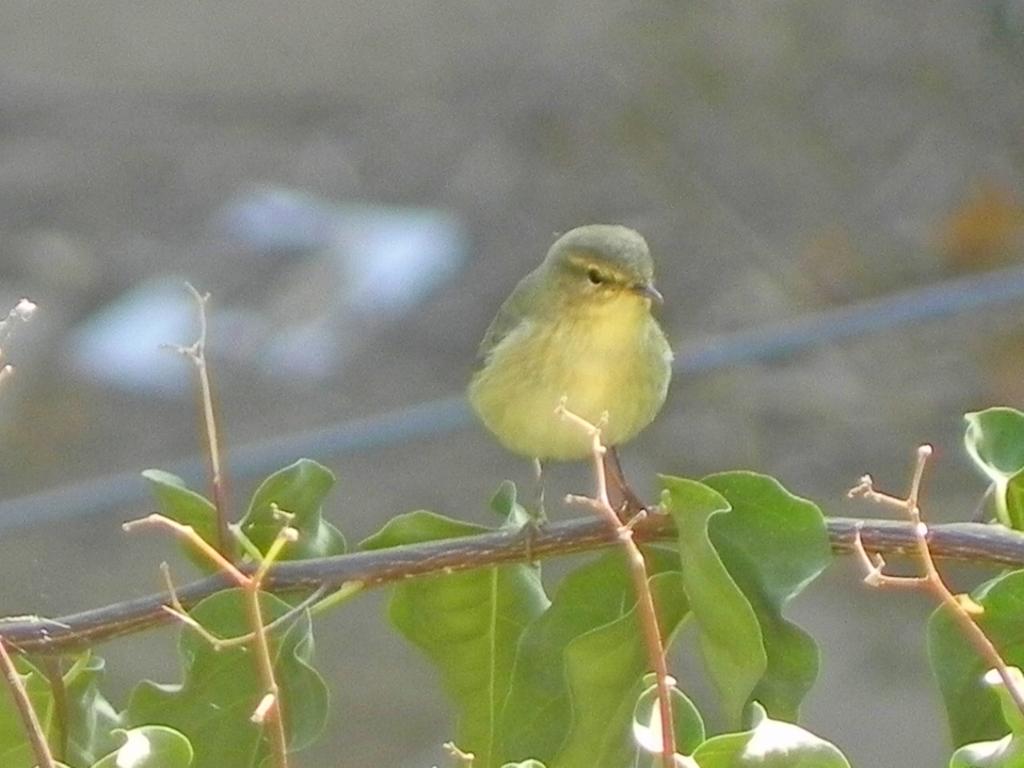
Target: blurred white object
{"type": "Point", "coordinates": [387, 259]}
{"type": "Point", "coordinates": [340, 269]}
{"type": "Point", "coordinates": [123, 345]}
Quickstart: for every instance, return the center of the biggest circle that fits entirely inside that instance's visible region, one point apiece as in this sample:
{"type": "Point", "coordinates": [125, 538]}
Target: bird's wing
{"type": "Point", "coordinates": [511, 312]}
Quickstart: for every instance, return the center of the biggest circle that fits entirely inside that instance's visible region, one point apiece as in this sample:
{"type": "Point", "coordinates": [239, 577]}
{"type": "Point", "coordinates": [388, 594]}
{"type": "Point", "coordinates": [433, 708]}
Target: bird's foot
{"type": "Point", "coordinates": [629, 507]}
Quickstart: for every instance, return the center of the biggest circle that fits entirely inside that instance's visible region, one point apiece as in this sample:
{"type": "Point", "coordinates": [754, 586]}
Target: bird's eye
{"type": "Point", "coordinates": [594, 276]}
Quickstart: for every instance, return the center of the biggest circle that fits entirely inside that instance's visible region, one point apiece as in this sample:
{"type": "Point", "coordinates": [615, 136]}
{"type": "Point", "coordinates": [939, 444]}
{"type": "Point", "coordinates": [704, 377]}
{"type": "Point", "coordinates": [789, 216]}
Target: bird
{"type": "Point", "coordinates": [577, 330]}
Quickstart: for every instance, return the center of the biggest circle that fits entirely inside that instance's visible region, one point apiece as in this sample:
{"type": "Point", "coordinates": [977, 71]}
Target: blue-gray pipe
{"type": "Point", "coordinates": [439, 417]}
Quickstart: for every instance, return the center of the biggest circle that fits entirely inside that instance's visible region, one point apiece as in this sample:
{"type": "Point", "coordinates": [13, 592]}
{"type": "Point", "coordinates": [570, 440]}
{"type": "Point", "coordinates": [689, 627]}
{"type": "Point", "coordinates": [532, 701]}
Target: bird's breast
{"type": "Point", "coordinates": [614, 362]}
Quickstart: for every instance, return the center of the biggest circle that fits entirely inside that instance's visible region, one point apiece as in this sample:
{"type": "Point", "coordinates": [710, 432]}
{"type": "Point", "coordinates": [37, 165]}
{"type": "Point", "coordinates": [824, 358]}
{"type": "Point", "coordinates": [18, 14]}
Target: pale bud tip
{"type": "Point", "coordinates": [263, 709]}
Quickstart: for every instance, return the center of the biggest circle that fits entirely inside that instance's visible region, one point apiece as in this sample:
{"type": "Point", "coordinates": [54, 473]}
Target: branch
{"type": "Point", "coordinates": [196, 353]}
{"type": "Point", "coordinates": [29, 718]}
{"type": "Point", "coordinates": [974, 542]}
{"type": "Point", "coordinates": [646, 612]}
{"type": "Point", "coordinates": [268, 714]}
{"type": "Point", "coordinates": [962, 608]}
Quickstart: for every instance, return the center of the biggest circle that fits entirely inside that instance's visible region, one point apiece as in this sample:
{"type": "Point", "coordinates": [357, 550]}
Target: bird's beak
{"type": "Point", "coordinates": [647, 290]}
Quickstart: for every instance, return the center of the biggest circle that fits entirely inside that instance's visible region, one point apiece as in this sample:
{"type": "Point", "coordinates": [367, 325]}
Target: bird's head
{"type": "Point", "coordinates": [602, 264]}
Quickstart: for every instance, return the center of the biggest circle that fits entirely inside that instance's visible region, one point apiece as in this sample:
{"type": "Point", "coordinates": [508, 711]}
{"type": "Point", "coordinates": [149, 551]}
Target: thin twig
{"type": "Point", "coordinates": [177, 611]}
{"type": "Point", "coordinates": [465, 759]}
{"type": "Point", "coordinates": [268, 712]}
{"type": "Point", "coordinates": [638, 571]}
{"type": "Point", "coordinates": [22, 312]}
{"type": "Point", "coordinates": [29, 719]}
{"type": "Point", "coordinates": [188, 533]}
{"type": "Point", "coordinates": [961, 607]}
{"type": "Point", "coordinates": [196, 352]}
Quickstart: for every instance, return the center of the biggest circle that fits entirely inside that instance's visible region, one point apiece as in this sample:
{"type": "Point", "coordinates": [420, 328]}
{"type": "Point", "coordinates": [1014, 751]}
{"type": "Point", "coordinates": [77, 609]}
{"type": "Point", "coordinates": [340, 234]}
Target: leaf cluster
{"type": "Point", "coordinates": [540, 674]}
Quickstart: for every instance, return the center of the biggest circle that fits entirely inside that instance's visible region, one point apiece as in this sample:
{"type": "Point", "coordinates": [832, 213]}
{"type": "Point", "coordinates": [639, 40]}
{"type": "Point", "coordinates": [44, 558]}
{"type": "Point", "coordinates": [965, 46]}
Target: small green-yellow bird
{"type": "Point", "coordinates": [579, 326]}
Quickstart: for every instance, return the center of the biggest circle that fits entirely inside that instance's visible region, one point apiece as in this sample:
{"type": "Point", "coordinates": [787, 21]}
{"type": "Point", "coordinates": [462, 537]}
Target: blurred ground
{"type": "Point", "coordinates": [780, 158]}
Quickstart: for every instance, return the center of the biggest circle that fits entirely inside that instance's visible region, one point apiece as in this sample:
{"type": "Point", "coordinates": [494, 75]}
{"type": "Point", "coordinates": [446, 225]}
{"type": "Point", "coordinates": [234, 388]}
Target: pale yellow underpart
{"type": "Point", "coordinates": [608, 356]}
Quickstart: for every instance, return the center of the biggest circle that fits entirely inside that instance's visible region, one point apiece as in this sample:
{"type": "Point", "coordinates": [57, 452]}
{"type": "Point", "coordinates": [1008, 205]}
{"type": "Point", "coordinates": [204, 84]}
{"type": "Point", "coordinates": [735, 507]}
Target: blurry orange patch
{"type": "Point", "coordinates": [985, 231]}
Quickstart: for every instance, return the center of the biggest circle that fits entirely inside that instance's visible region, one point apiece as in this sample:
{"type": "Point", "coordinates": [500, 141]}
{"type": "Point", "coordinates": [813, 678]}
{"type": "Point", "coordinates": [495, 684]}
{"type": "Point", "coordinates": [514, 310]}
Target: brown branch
{"type": "Point", "coordinates": [991, 545]}
{"type": "Point", "coordinates": [962, 608]}
{"type": "Point", "coordinates": [267, 713]}
{"type": "Point", "coordinates": [602, 505]}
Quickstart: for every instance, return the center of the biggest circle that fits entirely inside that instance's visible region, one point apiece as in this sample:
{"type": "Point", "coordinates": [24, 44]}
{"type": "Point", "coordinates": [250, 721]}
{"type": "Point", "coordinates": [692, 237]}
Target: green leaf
{"type": "Point", "coordinates": [1008, 752]}
{"type": "Point", "coordinates": [152, 746]}
{"type": "Point", "coordinates": [1011, 712]}
{"type": "Point", "coordinates": [689, 727]}
{"type": "Point", "coordinates": [299, 490]}
{"type": "Point", "coordinates": [605, 668]}
{"type": "Point", "coordinates": [90, 718]}
{"type": "Point", "coordinates": [730, 637]}
{"type": "Point", "coordinates": [176, 501]}
{"type": "Point", "coordinates": [973, 708]}
{"type": "Point", "coordinates": [769, 744]}
{"type": "Point", "coordinates": [221, 689]}
{"type": "Point", "coordinates": [468, 624]}
{"type": "Point", "coordinates": [1012, 501]}
{"type": "Point", "coordinates": [773, 544]}
{"type": "Point", "coordinates": [504, 503]}
{"type": "Point", "coordinates": [995, 441]}
{"type": "Point", "coordinates": [552, 703]}
{"type": "Point", "coordinates": [419, 526]}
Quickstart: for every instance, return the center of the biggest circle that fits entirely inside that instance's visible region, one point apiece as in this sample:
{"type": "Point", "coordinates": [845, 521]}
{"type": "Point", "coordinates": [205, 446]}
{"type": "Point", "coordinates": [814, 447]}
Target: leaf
{"type": "Point", "coordinates": [605, 668]}
{"type": "Point", "coordinates": [730, 637]}
{"type": "Point", "coordinates": [90, 716]}
{"type": "Point", "coordinates": [504, 503]}
{"type": "Point", "coordinates": [1008, 752]}
{"type": "Point", "coordinates": [221, 689]}
{"type": "Point", "coordinates": [973, 708]}
{"type": "Point", "coordinates": [995, 441]}
{"type": "Point", "coordinates": [299, 490]}
{"type": "Point", "coordinates": [552, 702]}
{"type": "Point", "coordinates": [151, 746]}
{"type": "Point", "coordinates": [176, 501]}
{"type": "Point", "coordinates": [773, 544]}
{"type": "Point", "coordinates": [468, 624]}
{"type": "Point", "coordinates": [1012, 715]}
{"type": "Point", "coordinates": [689, 727]}
{"type": "Point", "coordinates": [769, 744]}
{"type": "Point", "coordinates": [1013, 501]}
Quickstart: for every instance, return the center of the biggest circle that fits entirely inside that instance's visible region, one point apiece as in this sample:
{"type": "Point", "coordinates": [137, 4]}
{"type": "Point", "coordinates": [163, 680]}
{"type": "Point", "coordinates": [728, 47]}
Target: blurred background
{"type": "Point", "coordinates": [359, 185]}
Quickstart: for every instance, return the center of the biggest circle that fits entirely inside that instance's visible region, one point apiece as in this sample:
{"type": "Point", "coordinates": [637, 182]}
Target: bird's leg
{"type": "Point", "coordinates": [623, 499]}
{"type": "Point", "coordinates": [540, 515]}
